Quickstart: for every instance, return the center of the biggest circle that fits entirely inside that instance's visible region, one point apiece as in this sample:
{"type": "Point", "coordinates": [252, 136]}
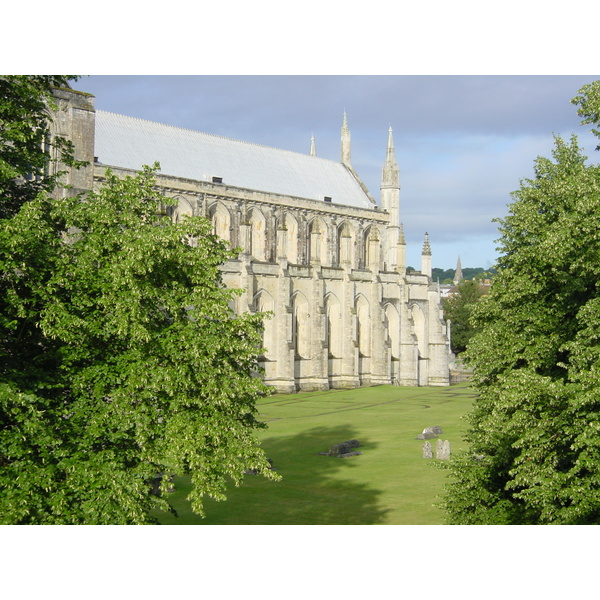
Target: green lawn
{"type": "Point", "coordinates": [389, 484]}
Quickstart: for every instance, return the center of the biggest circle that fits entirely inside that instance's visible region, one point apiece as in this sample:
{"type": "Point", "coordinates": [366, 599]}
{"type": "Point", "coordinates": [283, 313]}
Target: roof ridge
{"type": "Point", "coordinates": [216, 135]}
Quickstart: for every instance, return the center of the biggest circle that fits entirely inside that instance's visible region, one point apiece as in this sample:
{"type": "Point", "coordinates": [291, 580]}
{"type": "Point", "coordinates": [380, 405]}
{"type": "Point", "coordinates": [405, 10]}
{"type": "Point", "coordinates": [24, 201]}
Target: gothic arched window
{"type": "Point", "coordinates": [318, 242]}
{"type": "Point", "coordinates": [363, 329]}
{"type": "Point", "coordinates": [258, 234]}
{"type": "Point", "coordinates": [291, 241]}
{"type": "Point", "coordinates": [345, 245]}
{"type": "Point", "coordinates": [221, 222]}
{"type": "Point", "coordinates": [392, 319]}
{"type": "Point", "coordinates": [264, 303]}
{"type": "Point", "coordinates": [333, 326]}
{"type": "Point", "coordinates": [300, 326]}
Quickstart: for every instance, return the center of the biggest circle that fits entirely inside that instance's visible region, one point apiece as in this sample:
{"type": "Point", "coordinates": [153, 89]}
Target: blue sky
{"type": "Point", "coordinates": [462, 142]}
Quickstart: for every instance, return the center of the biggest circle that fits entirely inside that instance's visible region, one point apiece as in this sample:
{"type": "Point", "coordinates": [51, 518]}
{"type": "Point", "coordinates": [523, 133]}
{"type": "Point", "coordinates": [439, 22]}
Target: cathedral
{"type": "Point", "coordinates": [317, 250]}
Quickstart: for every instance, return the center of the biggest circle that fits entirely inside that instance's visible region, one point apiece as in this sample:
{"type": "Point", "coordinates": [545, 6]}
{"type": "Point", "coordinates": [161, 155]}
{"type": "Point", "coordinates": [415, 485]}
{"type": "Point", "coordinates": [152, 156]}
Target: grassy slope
{"type": "Point", "coordinates": [390, 483]}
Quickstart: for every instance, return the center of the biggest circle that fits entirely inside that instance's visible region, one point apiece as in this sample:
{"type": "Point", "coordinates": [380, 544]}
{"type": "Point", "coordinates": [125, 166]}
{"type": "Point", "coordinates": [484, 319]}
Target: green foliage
{"type": "Point", "coordinates": [458, 309]}
{"type": "Point", "coordinates": [588, 101]}
{"type": "Point", "coordinates": [29, 155]}
{"type": "Point", "coordinates": [534, 445]}
{"type": "Point", "coordinates": [438, 274]}
{"type": "Point", "coordinates": [447, 275]}
{"type": "Point", "coordinates": [121, 359]}
{"type": "Point", "coordinates": [483, 275]}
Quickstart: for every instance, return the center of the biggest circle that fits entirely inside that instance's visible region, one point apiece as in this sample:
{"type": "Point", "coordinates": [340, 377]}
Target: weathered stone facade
{"type": "Point", "coordinates": [346, 312]}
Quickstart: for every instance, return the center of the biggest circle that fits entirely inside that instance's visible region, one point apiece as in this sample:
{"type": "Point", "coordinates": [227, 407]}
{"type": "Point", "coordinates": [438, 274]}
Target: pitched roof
{"type": "Point", "coordinates": [128, 142]}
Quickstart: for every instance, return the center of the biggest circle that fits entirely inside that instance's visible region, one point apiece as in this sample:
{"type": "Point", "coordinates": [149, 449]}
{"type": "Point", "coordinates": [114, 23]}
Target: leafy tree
{"type": "Point", "coordinates": [588, 101]}
{"type": "Point", "coordinates": [29, 155]}
{"type": "Point", "coordinates": [481, 277]}
{"type": "Point", "coordinates": [120, 357]}
{"type": "Point", "coordinates": [442, 274]}
{"type": "Point", "coordinates": [468, 273]}
{"type": "Point", "coordinates": [534, 455]}
{"type": "Point", "coordinates": [458, 309]}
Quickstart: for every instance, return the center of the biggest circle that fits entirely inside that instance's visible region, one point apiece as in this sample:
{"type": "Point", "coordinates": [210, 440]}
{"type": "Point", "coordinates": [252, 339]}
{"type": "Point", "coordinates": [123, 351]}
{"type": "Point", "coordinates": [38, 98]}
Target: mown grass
{"type": "Point", "coordinates": [389, 484]}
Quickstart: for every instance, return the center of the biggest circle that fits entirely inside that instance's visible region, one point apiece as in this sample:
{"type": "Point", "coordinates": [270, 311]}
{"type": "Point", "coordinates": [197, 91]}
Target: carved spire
{"type": "Point", "coordinates": [426, 247]}
{"type": "Point", "coordinates": [426, 257]}
{"type": "Point", "coordinates": [401, 239]}
{"type": "Point", "coordinates": [458, 276]}
{"type": "Point", "coordinates": [390, 147]}
{"type": "Point", "coordinates": [313, 149]}
{"type": "Point", "coordinates": [390, 186]}
{"type": "Point", "coordinates": [390, 176]}
{"type": "Point", "coordinates": [345, 142]}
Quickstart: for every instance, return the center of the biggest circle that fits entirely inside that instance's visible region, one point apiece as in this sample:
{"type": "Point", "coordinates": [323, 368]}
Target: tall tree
{"type": "Point", "coordinates": [458, 309]}
{"type": "Point", "coordinates": [139, 366]}
{"type": "Point", "coordinates": [534, 455]}
{"type": "Point", "coordinates": [120, 357]}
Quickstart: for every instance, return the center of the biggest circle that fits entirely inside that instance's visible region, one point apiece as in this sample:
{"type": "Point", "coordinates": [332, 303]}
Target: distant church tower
{"type": "Point", "coordinates": [458, 276]}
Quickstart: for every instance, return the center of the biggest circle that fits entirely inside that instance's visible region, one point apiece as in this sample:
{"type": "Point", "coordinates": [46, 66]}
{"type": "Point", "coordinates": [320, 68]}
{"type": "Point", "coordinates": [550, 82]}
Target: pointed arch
{"type": "Point", "coordinates": [392, 322]}
{"type": "Point", "coordinates": [301, 327]}
{"type": "Point", "coordinates": [418, 319]}
{"type": "Point", "coordinates": [263, 301]}
{"type": "Point", "coordinates": [258, 234]}
{"type": "Point", "coordinates": [333, 326]}
{"type": "Point", "coordinates": [371, 247]}
{"type": "Point", "coordinates": [318, 242]}
{"type": "Point", "coordinates": [220, 218]}
{"type": "Point", "coordinates": [363, 328]}
{"type": "Point", "coordinates": [291, 241]}
{"type": "Point", "coordinates": [345, 244]}
{"type": "Point", "coordinates": [51, 167]}
{"type": "Point", "coordinates": [182, 209]}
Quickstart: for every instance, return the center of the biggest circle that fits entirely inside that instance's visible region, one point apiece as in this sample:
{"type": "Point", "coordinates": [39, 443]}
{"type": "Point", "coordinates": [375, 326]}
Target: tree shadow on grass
{"type": "Point", "coordinates": [314, 490]}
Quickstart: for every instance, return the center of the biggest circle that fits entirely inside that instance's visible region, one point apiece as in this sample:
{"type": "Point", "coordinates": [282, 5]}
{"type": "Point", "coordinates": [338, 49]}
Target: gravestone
{"type": "Point", "coordinates": [427, 450]}
{"type": "Point", "coordinates": [344, 449]}
{"type": "Point", "coordinates": [442, 450]}
{"type": "Point", "coordinates": [430, 433]}
{"type": "Point", "coordinates": [447, 449]}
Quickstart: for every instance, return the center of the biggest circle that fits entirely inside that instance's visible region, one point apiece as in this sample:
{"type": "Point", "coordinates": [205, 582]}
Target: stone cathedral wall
{"type": "Point", "coordinates": [346, 313]}
{"type": "Point", "coordinates": [341, 319]}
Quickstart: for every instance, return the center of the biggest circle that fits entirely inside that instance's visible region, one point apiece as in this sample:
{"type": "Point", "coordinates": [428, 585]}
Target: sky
{"type": "Point", "coordinates": [463, 142]}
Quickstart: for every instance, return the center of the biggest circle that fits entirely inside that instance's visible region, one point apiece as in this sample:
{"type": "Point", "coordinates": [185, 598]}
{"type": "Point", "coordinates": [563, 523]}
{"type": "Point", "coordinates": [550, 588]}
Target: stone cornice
{"type": "Point", "coordinates": [221, 191]}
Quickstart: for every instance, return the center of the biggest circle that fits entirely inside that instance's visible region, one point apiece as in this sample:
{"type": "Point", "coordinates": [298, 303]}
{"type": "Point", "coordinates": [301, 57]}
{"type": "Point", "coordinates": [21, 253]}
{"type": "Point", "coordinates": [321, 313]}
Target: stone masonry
{"type": "Point", "coordinates": [346, 312]}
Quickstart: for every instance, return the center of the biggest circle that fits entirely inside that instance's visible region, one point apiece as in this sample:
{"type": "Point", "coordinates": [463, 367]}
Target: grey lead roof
{"type": "Point", "coordinates": [130, 143]}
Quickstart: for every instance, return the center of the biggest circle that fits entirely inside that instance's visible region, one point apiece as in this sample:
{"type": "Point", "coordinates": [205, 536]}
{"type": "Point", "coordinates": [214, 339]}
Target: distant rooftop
{"type": "Point", "coordinates": [128, 142]}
